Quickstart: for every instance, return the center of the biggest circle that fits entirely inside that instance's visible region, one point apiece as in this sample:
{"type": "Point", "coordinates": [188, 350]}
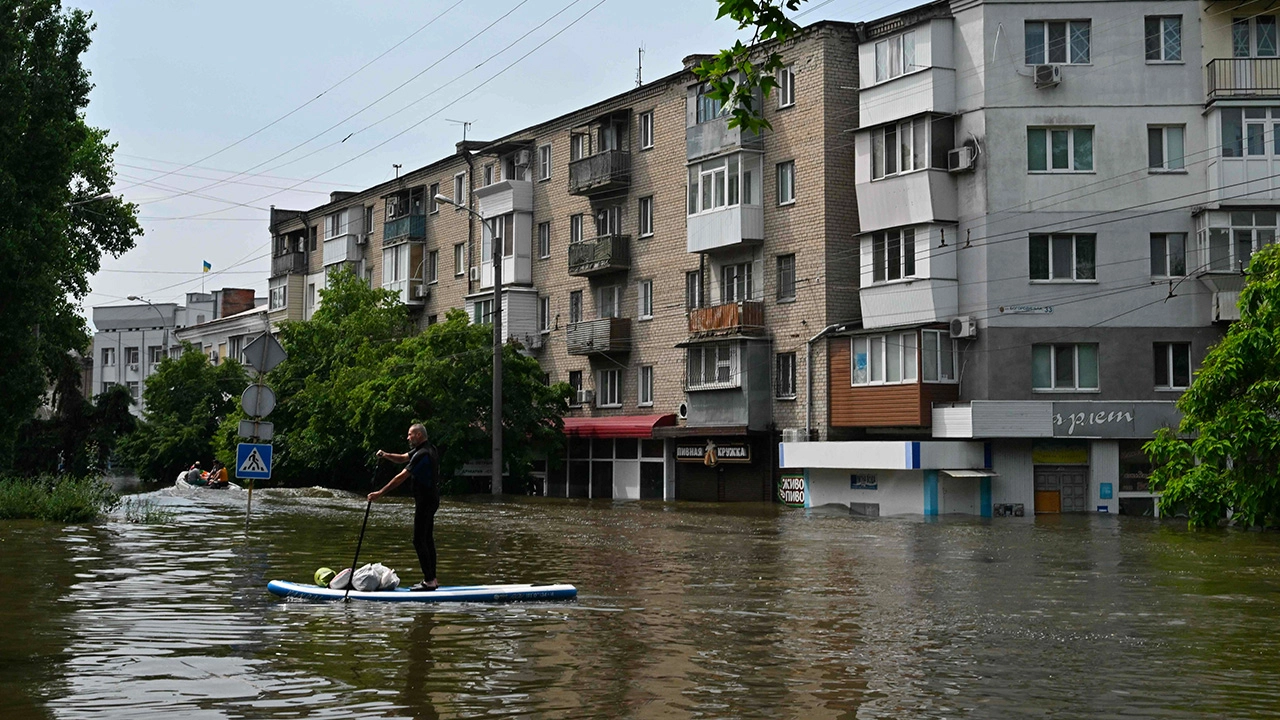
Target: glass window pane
{"type": "Point", "coordinates": [1256, 143]}
{"type": "Point", "coordinates": [895, 56]}
{"type": "Point", "coordinates": [1266, 29]}
{"type": "Point", "coordinates": [877, 359]}
{"type": "Point", "coordinates": [1181, 364]}
{"type": "Point", "coordinates": [1244, 248]}
{"type": "Point", "coordinates": [877, 154]}
{"type": "Point", "coordinates": [1034, 41]}
{"type": "Point", "coordinates": [1173, 38]}
{"type": "Point", "coordinates": [1155, 148]}
{"type": "Point", "coordinates": [1160, 362]}
{"type": "Point", "coordinates": [1087, 356]}
{"type": "Point", "coordinates": [920, 137]}
{"type": "Point", "coordinates": [1057, 42]}
{"type": "Point", "coordinates": [1240, 38]}
{"type": "Point", "coordinates": [908, 253]}
{"type": "Point", "coordinates": [929, 358]}
{"type": "Point", "coordinates": [877, 257]}
{"type": "Point", "coordinates": [1158, 260]}
{"type": "Point", "coordinates": [1036, 149]}
{"type": "Point", "coordinates": [890, 147]}
{"type": "Point", "coordinates": [1173, 136]}
{"type": "Point", "coordinates": [908, 356]}
{"type": "Point", "coordinates": [1039, 257]}
{"type": "Point", "coordinates": [882, 61]}
{"type": "Point", "coordinates": [1080, 41]}
{"type": "Point", "coordinates": [946, 357]}
{"type": "Point", "coordinates": [893, 359]}
{"type": "Point", "coordinates": [1151, 32]}
{"type": "Point", "coordinates": [1085, 261]}
{"type": "Point", "coordinates": [1083, 148]}
{"type": "Point", "coordinates": [1059, 147]}
{"type": "Point", "coordinates": [1232, 133]}
{"type": "Point", "coordinates": [733, 179]}
{"type": "Point", "coordinates": [904, 141]}
{"type": "Point", "coordinates": [1062, 265]}
{"type": "Point", "coordinates": [894, 260]}
{"type": "Point", "coordinates": [1064, 366]}
{"type": "Point", "coordinates": [1041, 366]}
{"type": "Point", "coordinates": [1264, 218]}
{"type": "Point", "coordinates": [1219, 249]}
{"type": "Point", "coordinates": [908, 52]}
{"type": "Point", "coordinates": [860, 369]}
{"type": "Point", "coordinates": [1177, 250]}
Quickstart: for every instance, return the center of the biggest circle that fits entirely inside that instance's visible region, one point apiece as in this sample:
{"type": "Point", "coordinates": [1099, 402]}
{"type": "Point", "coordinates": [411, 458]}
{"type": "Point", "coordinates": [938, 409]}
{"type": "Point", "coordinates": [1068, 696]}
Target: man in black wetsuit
{"type": "Point", "coordinates": [421, 463]}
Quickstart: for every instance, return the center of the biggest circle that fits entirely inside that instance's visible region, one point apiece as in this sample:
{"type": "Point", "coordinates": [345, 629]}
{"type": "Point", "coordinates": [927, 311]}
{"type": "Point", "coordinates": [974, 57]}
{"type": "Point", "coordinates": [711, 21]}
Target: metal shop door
{"type": "Point", "coordinates": [1061, 489]}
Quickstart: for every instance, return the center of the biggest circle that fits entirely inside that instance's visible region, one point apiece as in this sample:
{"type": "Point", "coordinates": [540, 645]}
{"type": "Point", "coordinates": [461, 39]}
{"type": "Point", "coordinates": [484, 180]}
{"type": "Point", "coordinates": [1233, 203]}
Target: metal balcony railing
{"type": "Point", "coordinates": [411, 227]}
{"type": "Point", "coordinates": [608, 170]}
{"type": "Point", "coordinates": [607, 253]}
{"type": "Point", "coordinates": [1243, 77]}
{"type": "Point", "coordinates": [737, 318]}
{"type": "Point", "coordinates": [606, 335]}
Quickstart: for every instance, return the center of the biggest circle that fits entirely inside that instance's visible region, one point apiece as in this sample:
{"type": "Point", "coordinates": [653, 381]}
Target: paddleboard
{"type": "Point", "coordinates": [445, 593]}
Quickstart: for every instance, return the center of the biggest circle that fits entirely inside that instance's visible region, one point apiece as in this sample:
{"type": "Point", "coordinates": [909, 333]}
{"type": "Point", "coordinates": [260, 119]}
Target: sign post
{"type": "Point", "coordinates": [253, 460]}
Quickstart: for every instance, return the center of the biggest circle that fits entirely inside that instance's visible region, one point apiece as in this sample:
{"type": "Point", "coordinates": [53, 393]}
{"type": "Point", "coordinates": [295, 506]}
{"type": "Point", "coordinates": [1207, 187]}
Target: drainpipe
{"type": "Point", "coordinates": [471, 187]}
{"type": "Point", "coordinates": [808, 377]}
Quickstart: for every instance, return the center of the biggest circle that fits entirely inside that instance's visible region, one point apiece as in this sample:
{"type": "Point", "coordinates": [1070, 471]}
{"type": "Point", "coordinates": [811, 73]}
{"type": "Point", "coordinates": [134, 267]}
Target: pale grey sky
{"type": "Point", "coordinates": [176, 83]}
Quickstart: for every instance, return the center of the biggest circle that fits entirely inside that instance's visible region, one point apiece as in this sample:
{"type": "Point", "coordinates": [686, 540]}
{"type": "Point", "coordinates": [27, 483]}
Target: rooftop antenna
{"type": "Point", "coordinates": [397, 166]}
{"type": "Point", "coordinates": [639, 66]}
{"type": "Point", "coordinates": [465, 125]}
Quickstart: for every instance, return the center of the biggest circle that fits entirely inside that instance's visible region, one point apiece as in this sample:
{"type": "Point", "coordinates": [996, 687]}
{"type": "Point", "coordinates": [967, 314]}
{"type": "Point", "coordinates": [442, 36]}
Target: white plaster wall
{"type": "Point", "coordinates": [899, 492]}
{"type": "Point", "coordinates": [1015, 482]}
{"type": "Point", "coordinates": [959, 496]}
{"type": "Point", "coordinates": [1104, 466]}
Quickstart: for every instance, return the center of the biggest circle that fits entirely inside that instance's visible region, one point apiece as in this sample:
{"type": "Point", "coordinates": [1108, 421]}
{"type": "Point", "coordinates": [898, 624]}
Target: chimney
{"type": "Point", "coordinates": [337, 195]}
{"type": "Point", "coordinates": [235, 300]}
{"type": "Point", "coordinates": [692, 61]}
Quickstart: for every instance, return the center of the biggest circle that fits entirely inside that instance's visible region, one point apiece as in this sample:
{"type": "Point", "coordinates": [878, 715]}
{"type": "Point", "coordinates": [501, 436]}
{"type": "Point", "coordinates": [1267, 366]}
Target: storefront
{"type": "Point", "coordinates": [727, 466]}
{"type": "Point", "coordinates": [614, 457]}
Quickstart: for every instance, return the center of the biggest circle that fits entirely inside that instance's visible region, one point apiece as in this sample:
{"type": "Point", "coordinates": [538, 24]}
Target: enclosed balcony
{"type": "Point", "coordinates": [505, 196]}
{"type": "Point", "coordinates": [290, 263]}
{"type": "Point", "coordinates": [736, 318]}
{"type": "Point", "coordinates": [593, 337]}
{"type": "Point", "coordinates": [599, 255]}
{"type": "Point", "coordinates": [605, 171]}
{"type": "Point", "coordinates": [712, 137]}
{"type": "Point", "coordinates": [1239, 78]}
{"type": "Point", "coordinates": [409, 227]}
{"type": "Point", "coordinates": [341, 249]}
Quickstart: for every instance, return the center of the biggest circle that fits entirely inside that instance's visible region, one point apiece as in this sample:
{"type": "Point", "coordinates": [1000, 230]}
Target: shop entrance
{"type": "Point", "coordinates": [1061, 489]}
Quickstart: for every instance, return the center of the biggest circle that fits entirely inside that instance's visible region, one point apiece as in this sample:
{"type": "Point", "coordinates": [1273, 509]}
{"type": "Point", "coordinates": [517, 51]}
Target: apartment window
{"type": "Point", "coordinates": [1064, 367]}
{"type": "Point", "coordinates": [609, 388]}
{"type": "Point", "coordinates": [575, 306]}
{"type": "Point", "coordinates": [575, 382]}
{"type": "Point", "coordinates": [1168, 254]}
{"type": "Point", "coordinates": [432, 203]}
{"type": "Point", "coordinates": [893, 255]}
{"type": "Point", "coordinates": [646, 299]}
{"type": "Point", "coordinates": [579, 146]}
{"type": "Point", "coordinates": [1164, 39]}
{"type": "Point", "coordinates": [368, 219]}
{"type": "Point", "coordinates": [155, 354]}
{"type": "Point", "coordinates": [786, 182]}
{"type": "Point", "coordinates": [713, 365]}
{"type": "Point", "coordinates": [1172, 365]}
{"type": "Point", "coordinates": [311, 296]}
{"type": "Point", "coordinates": [644, 392]}
{"type": "Point", "coordinates": [1245, 132]}
{"type": "Point", "coordinates": [544, 240]}
{"type": "Point", "coordinates": [646, 216]}
{"type": "Point", "coordinates": [1060, 149]}
{"type": "Point", "coordinates": [544, 162]}
{"type": "Point", "coordinates": [482, 312]}
{"type": "Point", "coordinates": [337, 224]}
{"type": "Point", "coordinates": [609, 221]}
{"type": "Point", "coordinates": [646, 130]}
{"type": "Point", "coordinates": [787, 277]}
{"type": "Point", "coordinates": [133, 386]}
{"type": "Point", "coordinates": [460, 188]}
{"type": "Point", "coordinates": [432, 320]}
{"type": "Point", "coordinates": [937, 356]}
{"type": "Point", "coordinates": [488, 174]}
{"type": "Point", "coordinates": [724, 182]}
{"type": "Point", "coordinates": [1057, 42]}
{"type": "Point", "coordinates": [786, 86]}
{"type": "Point", "coordinates": [609, 301]}
{"type": "Point", "coordinates": [895, 56]}
{"type": "Point", "coordinates": [459, 258]}
{"type": "Point", "coordinates": [693, 289]}
{"type": "Point", "coordinates": [1063, 257]}
{"type": "Point", "coordinates": [235, 348]}
{"type": "Point", "coordinates": [1165, 147]}
{"type": "Point", "coordinates": [708, 108]}
{"type": "Point", "coordinates": [131, 355]}
{"type": "Point", "coordinates": [1235, 235]}
{"type": "Point", "coordinates": [916, 144]}
{"type": "Point", "coordinates": [785, 364]}
{"type": "Point", "coordinates": [575, 228]}
{"type": "Point", "coordinates": [1254, 37]}
{"type": "Point", "coordinates": [108, 357]}
{"type": "Point", "coordinates": [884, 359]}
{"type": "Point", "coordinates": [736, 283]}
{"type": "Point", "coordinates": [433, 266]}
{"type": "Point", "coordinates": [278, 292]}
{"type": "Point", "coordinates": [311, 238]}
{"type": "Point", "coordinates": [544, 314]}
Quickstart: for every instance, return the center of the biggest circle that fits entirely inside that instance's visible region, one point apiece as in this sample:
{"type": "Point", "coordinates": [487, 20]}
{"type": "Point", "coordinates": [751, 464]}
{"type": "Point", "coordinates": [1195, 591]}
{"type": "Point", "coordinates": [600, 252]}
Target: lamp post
{"type": "Point", "coordinates": [495, 481]}
{"type": "Point", "coordinates": [164, 323]}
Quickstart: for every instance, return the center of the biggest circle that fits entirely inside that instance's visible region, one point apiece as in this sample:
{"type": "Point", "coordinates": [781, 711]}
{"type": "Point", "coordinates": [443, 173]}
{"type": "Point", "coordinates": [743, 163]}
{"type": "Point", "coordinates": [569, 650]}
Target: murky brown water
{"type": "Point", "coordinates": [684, 611]}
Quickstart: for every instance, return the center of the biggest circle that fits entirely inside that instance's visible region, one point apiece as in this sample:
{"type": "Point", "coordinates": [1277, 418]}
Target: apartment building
{"type": "Point", "coordinates": [1056, 201]}
{"type": "Point", "coordinates": [673, 271]}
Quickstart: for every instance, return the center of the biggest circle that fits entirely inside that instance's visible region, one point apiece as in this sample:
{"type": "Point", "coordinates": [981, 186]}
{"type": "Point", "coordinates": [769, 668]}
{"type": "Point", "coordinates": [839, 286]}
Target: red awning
{"type": "Point", "coordinates": [617, 426]}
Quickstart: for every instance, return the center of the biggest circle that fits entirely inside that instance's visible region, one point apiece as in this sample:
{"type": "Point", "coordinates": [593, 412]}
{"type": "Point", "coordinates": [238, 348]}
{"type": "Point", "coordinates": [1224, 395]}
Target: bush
{"type": "Point", "coordinates": [145, 511]}
{"type": "Point", "coordinates": [62, 499]}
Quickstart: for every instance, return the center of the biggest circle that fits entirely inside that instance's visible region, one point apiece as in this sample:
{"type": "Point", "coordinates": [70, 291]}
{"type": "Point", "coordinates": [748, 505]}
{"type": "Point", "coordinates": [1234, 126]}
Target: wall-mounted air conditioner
{"type": "Point", "coordinates": [964, 327]}
{"type": "Point", "coordinates": [791, 435]}
{"type": "Point", "coordinates": [682, 411]}
{"type": "Point", "coordinates": [1048, 76]}
{"type": "Point", "coordinates": [586, 397]}
{"type": "Point", "coordinates": [961, 159]}
{"type": "Point", "coordinates": [475, 274]}
{"type": "Point", "coordinates": [421, 292]}
{"type": "Point", "coordinates": [362, 239]}
{"type": "Point", "coordinates": [524, 157]}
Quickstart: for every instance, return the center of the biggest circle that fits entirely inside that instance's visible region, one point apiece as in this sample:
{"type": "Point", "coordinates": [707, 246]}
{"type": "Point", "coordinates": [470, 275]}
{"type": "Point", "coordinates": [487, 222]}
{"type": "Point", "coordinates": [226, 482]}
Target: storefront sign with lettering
{"type": "Point", "coordinates": [791, 490]}
{"type": "Point", "coordinates": [712, 453]}
{"type": "Point", "coordinates": [863, 482]}
{"type": "Point", "coordinates": [1112, 419]}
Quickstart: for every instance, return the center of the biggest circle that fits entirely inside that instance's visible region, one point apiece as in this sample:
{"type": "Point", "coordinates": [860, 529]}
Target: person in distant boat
{"type": "Point", "coordinates": [194, 475]}
{"type": "Point", "coordinates": [217, 475]}
{"type": "Point", "coordinates": [421, 465]}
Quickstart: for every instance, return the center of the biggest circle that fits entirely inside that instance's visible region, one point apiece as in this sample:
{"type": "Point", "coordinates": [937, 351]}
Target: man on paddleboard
{"type": "Point", "coordinates": [420, 464]}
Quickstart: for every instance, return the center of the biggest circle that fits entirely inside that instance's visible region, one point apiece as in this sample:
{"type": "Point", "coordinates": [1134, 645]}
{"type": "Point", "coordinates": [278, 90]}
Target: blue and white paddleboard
{"type": "Point", "coordinates": [445, 593]}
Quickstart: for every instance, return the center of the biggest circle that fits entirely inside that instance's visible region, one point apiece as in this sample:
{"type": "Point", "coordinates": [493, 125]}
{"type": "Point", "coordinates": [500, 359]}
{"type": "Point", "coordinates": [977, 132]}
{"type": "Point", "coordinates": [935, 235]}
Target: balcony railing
{"type": "Point", "coordinates": [1243, 77]}
{"type": "Point", "coordinates": [736, 318]}
{"type": "Point", "coordinates": [409, 227]}
{"type": "Point", "coordinates": [607, 253]}
{"type": "Point", "coordinates": [608, 170]}
{"type": "Point", "coordinates": [293, 263]}
{"type": "Point", "coordinates": [606, 335]}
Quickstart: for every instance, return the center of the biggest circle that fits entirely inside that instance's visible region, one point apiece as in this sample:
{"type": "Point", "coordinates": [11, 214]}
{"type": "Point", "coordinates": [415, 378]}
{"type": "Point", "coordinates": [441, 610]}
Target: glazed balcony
{"type": "Point", "coordinates": [599, 255]}
{"type": "Point", "coordinates": [603, 172]}
{"type": "Point", "coordinates": [736, 318]}
{"type": "Point", "coordinates": [594, 337]}
{"type": "Point", "coordinates": [409, 227]}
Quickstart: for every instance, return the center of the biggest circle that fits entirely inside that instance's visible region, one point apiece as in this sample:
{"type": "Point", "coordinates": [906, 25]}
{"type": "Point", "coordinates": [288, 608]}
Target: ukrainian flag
{"type": "Point", "coordinates": [207, 266]}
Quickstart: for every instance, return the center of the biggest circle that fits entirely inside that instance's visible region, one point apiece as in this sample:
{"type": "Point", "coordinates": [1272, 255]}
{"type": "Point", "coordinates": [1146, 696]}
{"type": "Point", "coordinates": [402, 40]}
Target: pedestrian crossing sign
{"type": "Point", "coordinates": [253, 461]}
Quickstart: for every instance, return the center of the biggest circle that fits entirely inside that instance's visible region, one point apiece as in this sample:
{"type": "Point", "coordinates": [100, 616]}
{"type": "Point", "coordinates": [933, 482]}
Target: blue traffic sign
{"type": "Point", "coordinates": [253, 461]}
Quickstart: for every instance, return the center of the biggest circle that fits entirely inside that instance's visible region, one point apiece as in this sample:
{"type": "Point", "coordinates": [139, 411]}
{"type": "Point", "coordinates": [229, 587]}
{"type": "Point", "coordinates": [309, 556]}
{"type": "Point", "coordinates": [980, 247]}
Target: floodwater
{"type": "Point", "coordinates": [684, 611]}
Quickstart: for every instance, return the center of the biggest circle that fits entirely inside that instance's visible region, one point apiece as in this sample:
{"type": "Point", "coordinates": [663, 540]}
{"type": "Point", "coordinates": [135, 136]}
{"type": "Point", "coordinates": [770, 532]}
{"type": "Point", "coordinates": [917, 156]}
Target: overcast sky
{"type": "Point", "coordinates": [187, 83]}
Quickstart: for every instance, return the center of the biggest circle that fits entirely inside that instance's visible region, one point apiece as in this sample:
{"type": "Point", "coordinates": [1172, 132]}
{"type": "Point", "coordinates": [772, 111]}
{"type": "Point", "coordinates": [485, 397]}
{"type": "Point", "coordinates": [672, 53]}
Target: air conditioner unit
{"type": "Point", "coordinates": [533, 341]}
{"type": "Point", "coordinates": [961, 159]}
{"type": "Point", "coordinates": [362, 239]}
{"type": "Point", "coordinates": [475, 274]}
{"type": "Point", "coordinates": [524, 157]}
{"type": "Point", "coordinates": [586, 397]}
{"type": "Point", "coordinates": [964, 327]}
{"type": "Point", "coordinates": [791, 435]}
{"type": "Point", "coordinates": [133, 366]}
{"type": "Point", "coordinates": [682, 411]}
{"type": "Point", "coordinates": [421, 292]}
{"type": "Point", "coordinates": [1048, 75]}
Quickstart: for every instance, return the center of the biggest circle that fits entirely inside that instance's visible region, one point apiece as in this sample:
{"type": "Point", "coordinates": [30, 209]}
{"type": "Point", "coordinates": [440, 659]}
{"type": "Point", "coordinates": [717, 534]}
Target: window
{"type": "Point", "coordinates": [395, 265]}
{"type": "Point", "coordinates": [736, 283]}
{"type": "Point", "coordinates": [311, 296]}
{"type": "Point", "coordinates": [575, 306]}
{"type": "Point", "coordinates": [459, 188]}
{"type": "Point", "coordinates": [786, 182]}
{"type": "Point", "coordinates": [786, 86]}
{"type": "Point", "coordinates": [432, 320]}
{"type": "Point", "coordinates": [575, 228]}
{"type": "Point", "coordinates": [724, 182]}
{"type": "Point", "coordinates": [433, 266]}
{"type": "Point", "coordinates": [579, 146]}
{"type": "Point", "coordinates": [155, 354]}
{"type": "Point", "coordinates": [432, 203]}
{"type": "Point", "coordinates": [544, 240]}
{"type": "Point", "coordinates": [881, 359]}
{"type": "Point", "coordinates": [278, 293]}
{"type": "Point", "coordinates": [645, 386]}
{"type": "Point", "coordinates": [893, 255]}
{"type": "Point", "coordinates": [1172, 365]}
{"type": "Point", "coordinates": [916, 144]}
{"type": "Point", "coordinates": [1064, 367]}
{"type": "Point", "coordinates": [712, 366]}
{"type": "Point", "coordinates": [646, 130]}
{"type": "Point", "coordinates": [1245, 131]}
{"type": "Point", "coordinates": [646, 216]}
{"type": "Point", "coordinates": [609, 221]}
{"type": "Point", "coordinates": [108, 357]}
{"type": "Point", "coordinates": [1164, 39]}
{"type": "Point", "coordinates": [646, 299]}
{"type": "Point", "coordinates": [311, 238]}
{"type": "Point", "coordinates": [693, 289]}
{"type": "Point", "coordinates": [482, 312]}
{"type": "Point", "coordinates": [488, 174]}
{"type": "Point", "coordinates": [1253, 37]}
{"type": "Point", "coordinates": [1168, 254]}
{"type": "Point", "coordinates": [785, 363]}
{"type": "Point", "coordinates": [1164, 147]}
{"type": "Point", "coordinates": [708, 108]}
{"type": "Point", "coordinates": [544, 162]}
{"type": "Point", "coordinates": [1234, 236]}
{"type": "Point", "coordinates": [1057, 42]}
{"type": "Point", "coordinates": [337, 224]}
{"type": "Point", "coordinates": [235, 348]}
{"type": "Point", "coordinates": [609, 301]}
{"type": "Point", "coordinates": [1059, 149]}
{"type": "Point", "coordinates": [787, 277]}
{"type": "Point", "coordinates": [575, 382]}
{"type": "Point", "coordinates": [609, 388]}
{"type": "Point", "coordinates": [131, 355]}
{"type": "Point", "coordinates": [937, 356]}
{"type": "Point", "coordinates": [895, 56]}
{"type": "Point", "coordinates": [368, 219]}
{"type": "Point", "coordinates": [132, 385]}
{"type": "Point", "coordinates": [459, 258]}
{"type": "Point", "coordinates": [544, 314]}
{"type": "Point", "coordinates": [1063, 257]}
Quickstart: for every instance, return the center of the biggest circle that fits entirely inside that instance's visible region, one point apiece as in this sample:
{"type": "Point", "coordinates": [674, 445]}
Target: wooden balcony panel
{"type": "Point", "coordinates": [604, 254]}
{"type": "Point", "coordinates": [741, 318]}
{"type": "Point", "coordinates": [289, 264]}
{"type": "Point", "coordinates": [593, 337]}
{"type": "Point", "coordinates": [602, 172]}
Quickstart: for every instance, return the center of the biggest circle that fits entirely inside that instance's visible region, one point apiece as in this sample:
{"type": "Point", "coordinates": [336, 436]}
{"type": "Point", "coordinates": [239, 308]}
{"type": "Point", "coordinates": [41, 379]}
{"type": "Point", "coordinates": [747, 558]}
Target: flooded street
{"type": "Point", "coordinates": [684, 611]}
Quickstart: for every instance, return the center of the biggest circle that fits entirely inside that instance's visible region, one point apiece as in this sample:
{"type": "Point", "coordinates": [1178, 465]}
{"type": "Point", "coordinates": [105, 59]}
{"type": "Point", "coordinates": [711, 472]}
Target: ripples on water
{"type": "Point", "coordinates": [684, 611]}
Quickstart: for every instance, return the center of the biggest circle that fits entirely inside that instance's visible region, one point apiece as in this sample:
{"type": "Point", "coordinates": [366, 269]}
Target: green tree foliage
{"type": "Point", "coordinates": [80, 436]}
{"type": "Point", "coordinates": [734, 74]}
{"type": "Point", "coordinates": [1225, 455]}
{"type": "Point", "coordinates": [56, 219]}
{"type": "Point", "coordinates": [187, 398]}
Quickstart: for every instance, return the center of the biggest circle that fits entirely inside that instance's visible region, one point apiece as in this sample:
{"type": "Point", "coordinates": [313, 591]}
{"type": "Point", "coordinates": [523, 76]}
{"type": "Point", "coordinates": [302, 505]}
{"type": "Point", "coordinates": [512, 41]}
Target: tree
{"type": "Point", "coordinates": [56, 216]}
{"type": "Point", "coordinates": [187, 398]}
{"type": "Point", "coordinates": [79, 436]}
{"type": "Point", "coordinates": [1225, 457]}
{"type": "Point", "coordinates": [732, 76]}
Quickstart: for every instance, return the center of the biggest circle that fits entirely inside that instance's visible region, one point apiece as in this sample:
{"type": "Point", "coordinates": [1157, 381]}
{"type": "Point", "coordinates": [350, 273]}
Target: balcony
{"type": "Point", "coordinates": [603, 172]}
{"type": "Point", "coordinates": [713, 137]}
{"type": "Point", "coordinates": [725, 227]}
{"type": "Point", "coordinates": [912, 198]}
{"type": "Point", "coordinates": [294, 263]}
{"type": "Point", "coordinates": [738, 318]}
{"type": "Point", "coordinates": [341, 249]}
{"type": "Point", "coordinates": [593, 337]}
{"type": "Point", "coordinates": [596, 256]}
{"type": "Point", "coordinates": [505, 196]}
{"type": "Point", "coordinates": [909, 301]}
{"type": "Point", "coordinates": [931, 90]}
{"type": "Point", "coordinates": [409, 227]}
{"type": "Point", "coordinates": [1243, 78]}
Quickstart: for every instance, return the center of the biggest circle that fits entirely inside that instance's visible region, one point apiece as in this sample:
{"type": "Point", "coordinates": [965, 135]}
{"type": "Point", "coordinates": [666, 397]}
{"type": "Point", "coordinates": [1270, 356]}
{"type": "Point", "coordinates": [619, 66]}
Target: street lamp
{"type": "Point", "coordinates": [164, 322]}
{"type": "Point", "coordinates": [495, 481]}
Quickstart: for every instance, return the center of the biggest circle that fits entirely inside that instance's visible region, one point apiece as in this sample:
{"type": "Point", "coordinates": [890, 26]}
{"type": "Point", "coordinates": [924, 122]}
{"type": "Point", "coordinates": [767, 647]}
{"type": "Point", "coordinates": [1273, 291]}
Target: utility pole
{"type": "Point", "coordinates": [639, 66]}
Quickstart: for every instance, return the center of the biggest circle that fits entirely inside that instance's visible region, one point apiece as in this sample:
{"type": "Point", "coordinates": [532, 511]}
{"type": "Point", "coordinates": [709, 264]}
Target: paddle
{"type": "Point", "coordinates": [351, 581]}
